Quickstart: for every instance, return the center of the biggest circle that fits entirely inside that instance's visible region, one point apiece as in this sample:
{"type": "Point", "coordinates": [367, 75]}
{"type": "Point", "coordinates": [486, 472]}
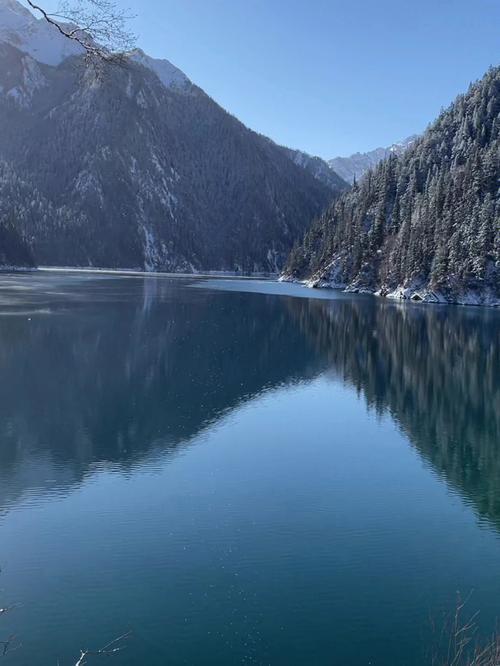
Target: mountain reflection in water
{"type": "Point", "coordinates": [102, 373]}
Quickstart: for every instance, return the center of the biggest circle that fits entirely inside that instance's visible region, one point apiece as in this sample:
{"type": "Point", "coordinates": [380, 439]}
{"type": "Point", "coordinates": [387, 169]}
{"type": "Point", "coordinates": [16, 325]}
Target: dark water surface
{"type": "Point", "coordinates": [242, 473]}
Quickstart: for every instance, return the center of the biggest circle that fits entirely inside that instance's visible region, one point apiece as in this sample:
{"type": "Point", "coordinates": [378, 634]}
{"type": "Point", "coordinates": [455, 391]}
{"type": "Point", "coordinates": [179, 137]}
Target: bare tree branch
{"type": "Point", "coordinates": [113, 647]}
{"type": "Point", "coordinates": [98, 26]}
{"type": "Point", "coordinates": [9, 645]}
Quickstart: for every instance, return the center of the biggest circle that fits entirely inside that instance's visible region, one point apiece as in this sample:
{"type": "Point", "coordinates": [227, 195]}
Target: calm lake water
{"type": "Point", "coordinates": [242, 472]}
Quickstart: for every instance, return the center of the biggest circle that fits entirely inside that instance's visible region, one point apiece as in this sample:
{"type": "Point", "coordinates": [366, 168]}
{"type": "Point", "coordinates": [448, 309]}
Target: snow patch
{"type": "Point", "coordinates": [151, 254]}
{"type": "Point", "coordinates": [273, 260]}
{"type": "Point", "coordinates": [34, 36]}
{"type": "Point", "coordinates": [141, 100]}
{"type": "Point", "coordinates": [426, 295]}
{"type": "Point", "coordinates": [330, 278]}
{"type": "Point", "coordinates": [416, 291]}
{"type": "Point", "coordinates": [129, 90]}
{"type": "Point", "coordinates": [32, 80]}
{"type": "Point", "coordinates": [87, 183]}
{"type": "Point", "coordinates": [169, 75]}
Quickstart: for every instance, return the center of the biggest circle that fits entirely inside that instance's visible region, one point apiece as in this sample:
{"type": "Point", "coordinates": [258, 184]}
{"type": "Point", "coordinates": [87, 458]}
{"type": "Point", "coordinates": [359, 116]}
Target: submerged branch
{"type": "Point", "coordinates": [111, 648]}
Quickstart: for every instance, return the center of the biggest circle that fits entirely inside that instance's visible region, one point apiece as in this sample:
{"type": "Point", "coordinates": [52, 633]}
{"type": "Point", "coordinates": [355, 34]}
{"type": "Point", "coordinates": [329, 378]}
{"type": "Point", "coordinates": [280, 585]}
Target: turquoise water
{"type": "Point", "coordinates": [242, 472]}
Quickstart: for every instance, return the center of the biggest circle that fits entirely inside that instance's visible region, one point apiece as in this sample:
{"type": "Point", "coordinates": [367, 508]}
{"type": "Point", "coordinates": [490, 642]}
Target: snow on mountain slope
{"type": "Point", "coordinates": [42, 41]}
{"type": "Point", "coordinates": [43, 44]}
{"type": "Point", "coordinates": [319, 168]}
{"type": "Point", "coordinates": [20, 28]}
{"type": "Point", "coordinates": [20, 77]}
{"type": "Point", "coordinates": [355, 166]}
{"type": "Point", "coordinates": [425, 225]}
{"type": "Point", "coordinates": [122, 171]}
{"type": "Point", "coordinates": [169, 75]}
{"type": "Point", "coordinates": [140, 168]}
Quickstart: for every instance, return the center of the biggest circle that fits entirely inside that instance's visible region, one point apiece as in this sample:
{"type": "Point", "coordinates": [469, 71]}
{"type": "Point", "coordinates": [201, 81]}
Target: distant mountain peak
{"type": "Point", "coordinates": [170, 75]}
{"type": "Point", "coordinates": [20, 28]}
{"type": "Point", "coordinates": [34, 36]}
{"type": "Point", "coordinates": [356, 165]}
{"type": "Point", "coordinates": [403, 145]}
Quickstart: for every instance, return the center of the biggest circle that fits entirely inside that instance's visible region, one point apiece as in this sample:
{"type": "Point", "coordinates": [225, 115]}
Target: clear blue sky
{"type": "Point", "coordinates": [328, 76]}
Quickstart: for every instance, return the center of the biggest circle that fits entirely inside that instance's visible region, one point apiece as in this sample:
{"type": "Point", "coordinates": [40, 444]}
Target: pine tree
{"type": "Point", "coordinates": [428, 219]}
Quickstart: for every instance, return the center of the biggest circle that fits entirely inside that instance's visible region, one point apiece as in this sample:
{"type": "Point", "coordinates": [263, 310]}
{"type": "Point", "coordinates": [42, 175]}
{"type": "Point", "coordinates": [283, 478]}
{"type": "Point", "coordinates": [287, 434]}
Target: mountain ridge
{"type": "Point", "coordinates": [355, 166]}
{"type": "Point", "coordinates": [139, 168]}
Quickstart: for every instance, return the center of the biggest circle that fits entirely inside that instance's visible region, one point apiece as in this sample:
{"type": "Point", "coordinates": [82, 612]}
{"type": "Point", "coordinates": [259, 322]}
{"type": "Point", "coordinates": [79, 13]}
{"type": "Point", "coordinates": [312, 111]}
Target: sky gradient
{"type": "Point", "coordinates": [328, 76]}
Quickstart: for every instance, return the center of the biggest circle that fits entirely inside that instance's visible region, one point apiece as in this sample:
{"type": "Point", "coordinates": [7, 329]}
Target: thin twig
{"type": "Point", "coordinates": [111, 648]}
{"type": "Point", "coordinates": [95, 25]}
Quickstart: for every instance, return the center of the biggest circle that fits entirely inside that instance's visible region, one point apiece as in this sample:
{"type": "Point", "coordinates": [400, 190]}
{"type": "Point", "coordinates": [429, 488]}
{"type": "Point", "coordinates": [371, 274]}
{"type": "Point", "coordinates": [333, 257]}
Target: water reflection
{"type": "Point", "coordinates": [108, 371]}
{"type": "Point", "coordinates": [436, 370]}
{"type": "Point", "coordinates": [123, 368]}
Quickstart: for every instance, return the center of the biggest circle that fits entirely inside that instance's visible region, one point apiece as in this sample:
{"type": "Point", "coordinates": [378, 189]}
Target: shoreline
{"type": "Point", "coordinates": [402, 294]}
{"type": "Point", "coordinates": [412, 294]}
{"type": "Point", "coordinates": [135, 272]}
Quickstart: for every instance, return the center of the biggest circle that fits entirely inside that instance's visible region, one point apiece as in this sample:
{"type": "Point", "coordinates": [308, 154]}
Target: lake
{"type": "Point", "coordinates": [242, 472]}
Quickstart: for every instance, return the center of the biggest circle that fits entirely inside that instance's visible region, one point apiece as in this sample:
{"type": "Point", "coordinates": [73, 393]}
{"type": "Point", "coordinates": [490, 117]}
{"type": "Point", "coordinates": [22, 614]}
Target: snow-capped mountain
{"type": "Point", "coordinates": [139, 168]}
{"type": "Point", "coordinates": [355, 166]}
{"type": "Point", "coordinates": [42, 41]}
{"type": "Point", "coordinates": [169, 74]}
{"type": "Point", "coordinates": [45, 44]}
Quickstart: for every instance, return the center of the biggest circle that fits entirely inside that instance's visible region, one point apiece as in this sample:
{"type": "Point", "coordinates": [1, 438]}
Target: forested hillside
{"type": "Point", "coordinates": [137, 167]}
{"type": "Point", "coordinates": [423, 225]}
{"type": "Point", "coordinates": [14, 251]}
